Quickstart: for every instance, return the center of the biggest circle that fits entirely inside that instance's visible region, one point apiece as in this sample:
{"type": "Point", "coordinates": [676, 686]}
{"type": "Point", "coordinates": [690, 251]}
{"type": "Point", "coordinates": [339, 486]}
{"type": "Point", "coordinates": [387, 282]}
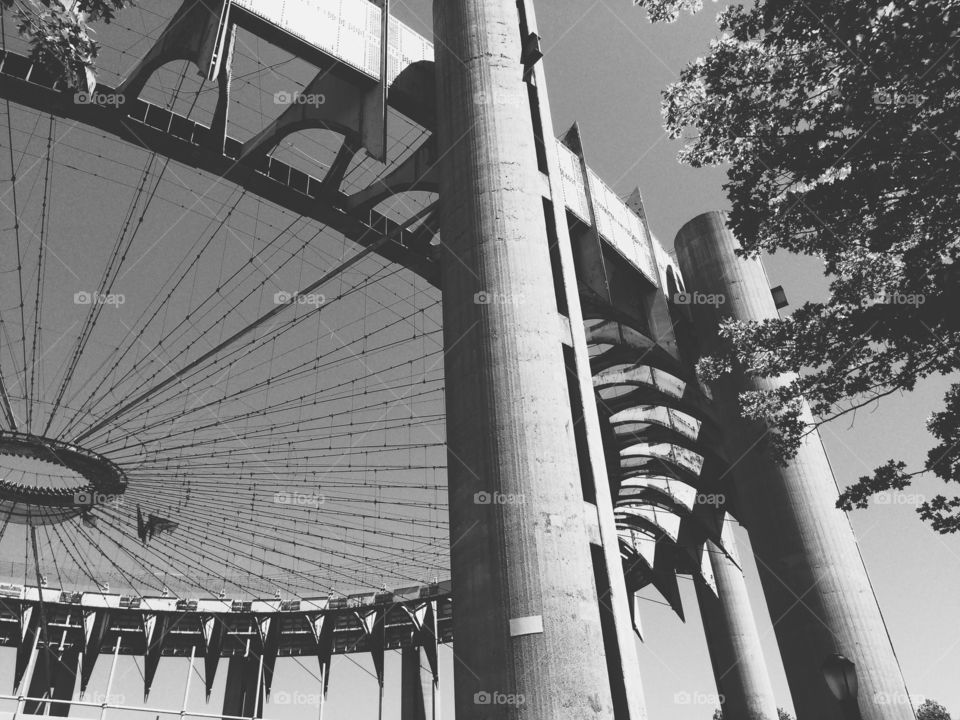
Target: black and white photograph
{"type": "Point", "coordinates": [480, 359]}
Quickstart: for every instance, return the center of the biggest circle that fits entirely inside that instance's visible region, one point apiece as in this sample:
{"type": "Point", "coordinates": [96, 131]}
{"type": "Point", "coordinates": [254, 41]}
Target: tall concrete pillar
{"type": "Point", "coordinates": [814, 580]}
{"type": "Point", "coordinates": [529, 641]}
{"type": "Point", "coordinates": [734, 642]}
{"type": "Point", "coordinates": [243, 693]}
{"type": "Point", "coordinates": [417, 691]}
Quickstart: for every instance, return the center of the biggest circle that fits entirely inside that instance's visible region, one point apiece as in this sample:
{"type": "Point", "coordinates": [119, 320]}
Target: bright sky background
{"type": "Point", "coordinates": [606, 66]}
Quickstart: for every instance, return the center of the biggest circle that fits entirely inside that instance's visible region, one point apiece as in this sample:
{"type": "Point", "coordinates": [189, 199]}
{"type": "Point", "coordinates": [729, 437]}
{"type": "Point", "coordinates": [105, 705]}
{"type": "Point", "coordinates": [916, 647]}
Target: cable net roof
{"type": "Point", "coordinates": [306, 458]}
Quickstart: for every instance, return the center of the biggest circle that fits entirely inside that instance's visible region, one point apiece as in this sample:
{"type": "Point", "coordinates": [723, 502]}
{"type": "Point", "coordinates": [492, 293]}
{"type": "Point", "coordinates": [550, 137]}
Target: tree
{"type": "Point", "coordinates": [932, 710]}
{"type": "Point", "coordinates": [59, 36]}
{"type": "Point", "coordinates": [839, 121]}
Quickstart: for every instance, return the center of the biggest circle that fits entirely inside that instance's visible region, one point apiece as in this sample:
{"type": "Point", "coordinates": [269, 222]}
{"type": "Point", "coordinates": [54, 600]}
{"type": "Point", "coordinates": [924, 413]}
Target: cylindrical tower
{"type": "Point", "coordinates": [733, 641]}
{"type": "Point", "coordinates": [813, 576]}
{"type": "Point", "coordinates": [529, 642]}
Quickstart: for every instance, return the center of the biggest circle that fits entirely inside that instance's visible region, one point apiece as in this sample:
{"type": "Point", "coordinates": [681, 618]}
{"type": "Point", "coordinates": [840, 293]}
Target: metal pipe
{"type": "Point", "coordinates": [186, 689]}
{"type": "Point", "coordinates": [113, 668]}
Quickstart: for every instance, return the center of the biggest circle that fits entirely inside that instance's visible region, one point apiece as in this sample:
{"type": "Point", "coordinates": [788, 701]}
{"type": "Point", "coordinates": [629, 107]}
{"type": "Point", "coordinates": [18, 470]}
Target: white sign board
{"type": "Point", "coordinates": [348, 30]}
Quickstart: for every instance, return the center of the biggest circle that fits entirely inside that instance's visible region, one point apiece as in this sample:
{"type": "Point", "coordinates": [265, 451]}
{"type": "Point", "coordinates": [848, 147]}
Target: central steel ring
{"type": "Point", "coordinates": [96, 479]}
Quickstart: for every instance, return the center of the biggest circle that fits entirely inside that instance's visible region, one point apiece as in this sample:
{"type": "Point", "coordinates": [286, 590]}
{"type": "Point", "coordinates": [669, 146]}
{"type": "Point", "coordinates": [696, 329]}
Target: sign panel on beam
{"type": "Point", "coordinates": [348, 30]}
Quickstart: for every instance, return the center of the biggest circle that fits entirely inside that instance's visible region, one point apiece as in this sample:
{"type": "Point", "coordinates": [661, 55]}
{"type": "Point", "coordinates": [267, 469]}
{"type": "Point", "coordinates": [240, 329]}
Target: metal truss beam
{"type": "Point", "coordinates": [153, 128]}
{"type": "Point", "coordinates": [250, 634]}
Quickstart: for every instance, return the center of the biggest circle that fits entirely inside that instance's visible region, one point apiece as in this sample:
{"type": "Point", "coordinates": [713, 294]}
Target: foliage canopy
{"type": "Point", "coordinates": [60, 37]}
{"type": "Point", "coordinates": [839, 122]}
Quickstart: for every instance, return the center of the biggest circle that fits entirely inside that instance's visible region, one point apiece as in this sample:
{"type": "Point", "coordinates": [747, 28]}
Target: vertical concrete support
{"type": "Point", "coordinates": [529, 640]}
{"type": "Point", "coordinates": [734, 642]}
{"type": "Point", "coordinates": [243, 694]}
{"type": "Point", "coordinates": [814, 580]}
{"type": "Point", "coordinates": [620, 648]}
{"type": "Point", "coordinates": [62, 682]}
{"type": "Point", "coordinates": [417, 689]}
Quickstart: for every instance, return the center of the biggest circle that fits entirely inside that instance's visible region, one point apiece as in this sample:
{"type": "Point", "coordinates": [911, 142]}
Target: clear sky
{"type": "Point", "coordinates": [606, 66]}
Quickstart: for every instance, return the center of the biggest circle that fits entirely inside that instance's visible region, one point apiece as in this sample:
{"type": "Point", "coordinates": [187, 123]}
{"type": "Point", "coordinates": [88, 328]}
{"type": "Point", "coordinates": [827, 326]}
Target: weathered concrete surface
{"type": "Point", "coordinates": [814, 580]}
{"type": "Point", "coordinates": [526, 553]}
{"type": "Point", "coordinates": [734, 642]}
{"type": "Point", "coordinates": [620, 645]}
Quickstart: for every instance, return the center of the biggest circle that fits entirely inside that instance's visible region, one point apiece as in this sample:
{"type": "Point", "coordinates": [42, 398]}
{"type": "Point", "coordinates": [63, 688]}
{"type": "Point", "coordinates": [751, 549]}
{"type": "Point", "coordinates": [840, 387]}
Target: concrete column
{"type": "Point", "coordinates": [734, 642]}
{"type": "Point", "coordinates": [527, 626]}
{"type": "Point", "coordinates": [243, 693]}
{"type": "Point", "coordinates": [416, 686]}
{"type": "Point", "coordinates": [620, 646]}
{"type": "Point", "coordinates": [814, 580]}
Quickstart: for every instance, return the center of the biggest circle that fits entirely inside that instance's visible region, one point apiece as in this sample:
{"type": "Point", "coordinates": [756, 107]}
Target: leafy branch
{"type": "Point", "coordinates": [59, 36]}
{"type": "Point", "coordinates": [839, 125]}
